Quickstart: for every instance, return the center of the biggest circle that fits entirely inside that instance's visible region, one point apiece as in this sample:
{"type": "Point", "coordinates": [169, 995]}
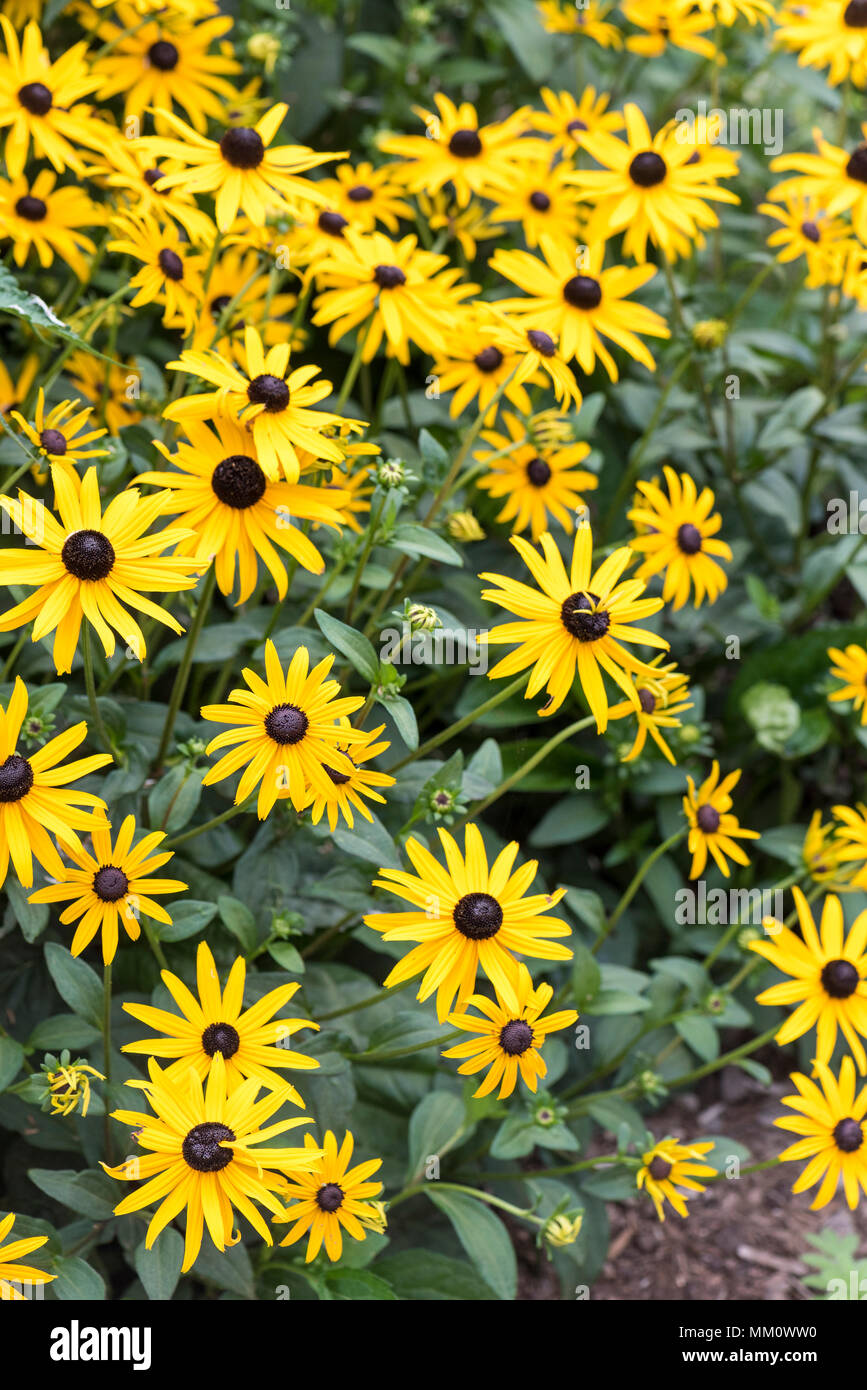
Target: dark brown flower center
{"type": "Point", "coordinates": [286, 724]}
{"type": "Point", "coordinates": [465, 144]}
{"type": "Point", "coordinates": [329, 1197]}
{"type": "Point", "coordinates": [242, 147]}
{"type": "Point", "coordinates": [16, 778]}
{"type": "Point", "coordinates": [583, 292]}
{"type": "Point", "coordinates": [201, 1147]}
{"type": "Point", "coordinates": [171, 264]}
{"type": "Point", "coordinates": [88, 555]}
{"type": "Point", "coordinates": [810, 231]}
{"type": "Point", "coordinates": [659, 1168]}
{"type": "Point", "coordinates": [538, 472]}
{"type": "Point", "coordinates": [31, 209]}
{"type": "Point", "coordinates": [707, 817]}
{"type": "Point", "coordinates": [332, 223]}
{"type": "Point", "coordinates": [110, 884]}
{"type": "Point", "coordinates": [647, 169]}
{"type": "Point", "coordinates": [238, 481]}
{"type": "Point", "coordinates": [848, 1136]}
{"type": "Point", "coordinates": [694, 158]}
{"type": "Point", "coordinates": [221, 1037]}
{"type": "Point", "coordinates": [389, 277]}
{"type": "Point", "coordinates": [855, 14]}
{"type": "Point", "coordinates": [857, 165]}
{"type": "Point", "coordinates": [840, 979]}
{"type": "Point", "coordinates": [360, 193]}
{"type": "Point", "coordinates": [338, 778]}
{"type": "Point", "coordinates": [270, 391]}
{"type": "Point", "coordinates": [647, 700]}
{"type": "Point", "coordinates": [53, 442]}
{"type": "Point", "coordinates": [689, 538]}
{"type": "Point", "coordinates": [477, 916]}
{"type": "Point", "coordinates": [539, 200]}
{"type": "Point", "coordinates": [582, 619]}
{"type": "Point", "coordinates": [542, 342]}
{"type": "Point", "coordinates": [516, 1037]}
{"type": "Point", "coordinates": [489, 359]}
{"type": "Point", "coordinates": [35, 97]}
{"type": "Point", "coordinates": [577, 124]}
{"type": "Point", "coordinates": [152, 176]}
{"type": "Point", "coordinates": [163, 55]}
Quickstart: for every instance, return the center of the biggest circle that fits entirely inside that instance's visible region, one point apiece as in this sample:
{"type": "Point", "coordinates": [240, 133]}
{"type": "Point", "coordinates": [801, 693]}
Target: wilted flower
{"type": "Point", "coordinates": [67, 1084]}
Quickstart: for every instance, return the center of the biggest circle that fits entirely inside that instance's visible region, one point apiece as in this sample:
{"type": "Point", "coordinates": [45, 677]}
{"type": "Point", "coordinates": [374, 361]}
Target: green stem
{"type": "Point", "coordinates": [365, 1003]}
{"type": "Point", "coordinates": [637, 880]}
{"type": "Point", "coordinates": [352, 369]}
{"type": "Point", "coordinates": [90, 686]}
{"type": "Point", "coordinates": [106, 1041]}
{"type": "Point", "coordinates": [369, 540]}
{"type": "Point", "coordinates": [183, 675]}
{"type": "Point", "coordinates": [526, 768]}
{"type": "Point", "coordinates": [233, 810]}
{"type": "Point", "coordinates": [13, 656]}
{"type": "Point", "coordinates": [461, 724]}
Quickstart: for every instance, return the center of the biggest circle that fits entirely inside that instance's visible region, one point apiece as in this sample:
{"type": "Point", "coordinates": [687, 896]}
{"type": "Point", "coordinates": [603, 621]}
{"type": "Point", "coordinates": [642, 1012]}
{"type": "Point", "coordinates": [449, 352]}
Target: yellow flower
{"type": "Point", "coordinates": [331, 1198]}
{"type": "Point", "coordinates": [806, 231]}
{"type": "Point", "coordinates": [365, 195]}
{"type": "Point", "coordinates": [836, 178]}
{"type": "Point", "coordinates": [535, 481]}
{"type": "Point", "coordinates": [237, 280]}
{"type": "Point", "coordinates": [670, 1166]}
{"type": "Point", "coordinates": [827, 34]}
{"type": "Point", "coordinates": [850, 667]}
{"type": "Point", "coordinates": [69, 1087]}
{"type": "Point", "coordinates": [852, 837]}
{"type": "Point", "coordinates": [541, 199]}
{"type": "Point", "coordinates": [830, 1123]}
{"type": "Point", "coordinates": [171, 274]}
{"type": "Point", "coordinates": [348, 788]}
{"type": "Point", "coordinates": [661, 698]}
{"type": "Point", "coordinates": [88, 376]}
{"type": "Point", "coordinates": [135, 173]}
{"type": "Point", "coordinates": [822, 857]}
{"type": "Point", "coordinates": [39, 217]}
{"type": "Point", "coordinates": [712, 827]}
{"type": "Point", "coordinates": [467, 226]}
{"type": "Point", "coordinates": [456, 149]}
{"type": "Point", "coordinates": [464, 526]}
{"type": "Point", "coordinates": [40, 102]}
{"type": "Point", "coordinates": [14, 390]}
{"type": "Point", "coordinates": [561, 17]}
{"type": "Point", "coordinates": [710, 333]}
{"type": "Point", "coordinates": [675, 22]}
{"type": "Point", "coordinates": [62, 433]}
{"type": "Point", "coordinates": [680, 539]}
{"type": "Point", "coordinates": [11, 1273]}
{"type": "Point", "coordinates": [566, 121]}
{"type": "Point", "coordinates": [474, 366]}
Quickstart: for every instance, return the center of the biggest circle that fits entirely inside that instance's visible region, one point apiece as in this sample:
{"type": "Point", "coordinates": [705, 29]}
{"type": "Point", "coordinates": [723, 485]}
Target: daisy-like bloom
{"type": "Point", "coordinates": [456, 149]}
{"type": "Point", "coordinates": [268, 398]}
{"type": "Point", "coordinates": [538, 354]}
{"type": "Point", "coordinates": [662, 696]}
{"type": "Point", "coordinates": [287, 731]}
{"type": "Point", "coordinates": [566, 121]}
{"type": "Point", "coordinates": [535, 482]}
{"type": "Point", "coordinates": [827, 34]}
{"type": "Point", "coordinates": [13, 1274]}
{"type": "Point", "coordinates": [38, 217]}
{"type": "Point", "coordinates": [836, 178]}
{"type": "Point", "coordinates": [233, 513]}
{"type": "Point", "coordinates": [364, 195]}
{"type": "Point", "coordinates": [854, 272]}
{"type": "Point", "coordinates": [680, 539]}
{"type": "Point", "coordinates": [580, 308]}
{"type": "Point", "coordinates": [36, 801]}
{"type": "Point", "coordinates": [474, 366]}
{"type": "Point", "coordinates": [204, 1155]}
{"type": "Point", "coordinates": [670, 1166]}
{"type": "Point", "coordinates": [139, 179]}
{"type": "Point", "coordinates": [90, 564]}
{"type": "Point", "coordinates": [850, 667]}
{"type": "Point", "coordinates": [14, 390]}
{"type": "Point", "coordinates": [821, 855]}
{"type": "Point", "coordinates": [728, 12]}
{"type": "Point", "coordinates": [240, 169]}
{"type": "Point", "coordinates": [573, 622]}
{"type": "Point", "coordinates": [111, 886]}
{"type": "Point", "coordinates": [675, 22]}
{"type": "Point", "coordinates": [171, 273]}
{"type": "Point", "coordinates": [251, 1042]}
{"type": "Point", "coordinates": [712, 827]}
{"type": "Point", "coordinates": [561, 17]}
{"type": "Point", "coordinates": [509, 1039]}
{"type": "Point", "coordinates": [852, 837]}
{"type": "Point", "coordinates": [164, 64]}
{"type": "Point", "coordinates": [40, 102]}
{"type": "Point", "coordinates": [396, 289]}
{"type": "Point", "coordinates": [806, 231]}
{"type": "Point", "coordinates": [542, 199]}
{"type": "Point", "coordinates": [467, 916]}
{"type": "Point", "coordinates": [88, 373]}
{"type": "Point", "coordinates": [827, 978]}
{"type": "Point", "coordinates": [348, 788]}
{"type": "Point", "coordinates": [61, 434]}
{"type": "Point", "coordinates": [648, 189]}
{"type": "Point", "coordinates": [237, 278]}
{"type": "Point", "coordinates": [466, 226]}
{"type": "Point", "coordinates": [830, 1121]}
{"type": "Point", "coordinates": [331, 1198]}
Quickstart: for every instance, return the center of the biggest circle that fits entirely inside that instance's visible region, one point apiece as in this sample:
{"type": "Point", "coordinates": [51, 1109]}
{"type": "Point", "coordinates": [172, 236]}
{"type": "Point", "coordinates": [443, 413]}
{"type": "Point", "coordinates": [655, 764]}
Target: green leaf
{"type": "Point", "coordinates": [11, 1057]}
{"type": "Point", "coordinates": [77, 1280]}
{"type": "Point", "coordinates": [160, 1268]}
{"type": "Point", "coordinates": [701, 1036]}
{"type": "Point", "coordinates": [189, 917]}
{"type": "Point", "coordinates": [427, 1276]}
{"type": "Point", "coordinates": [32, 918]}
{"type": "Point", "coordinates": [16, 301]}
{"type": "Point", "coordinates": [62, 1030]}
{"type": "Point", "coordinates": [287, 956]}
{"type": "Point", "coordinates": [575, 817]}
{"type": "Point", "coordinates": [78, 985]}
{"type": "Point", "coordinates": [404, 718]}
{"type": "Point", "coordinates": [369, 840]}
{"type": "Point", "coordinates": [360, 1284]}
{"type": "Point", "coordinates": [588, 907]}
{"type": "Point", "coordinates": [92, 1193]}
{"type": "Point", "coordinates": [353, 645]}
{"type": "Point", "coordinates": [229, 1269]}
{"type": "Point", "coordinates": [173, 801]}
{"type": "Point", "coordinates": [434, 1127]}
{"type": "Point", "coordinates": [483, 1236]}
{"type": "Point", "coordinates": [418, 540]}
{"type": "Point", "coordinates": [239, 920]}
{"type": "Point", "coordinates": [586, 975]}
{"type": "Point", "coordinates": [687, 971]}
{"type": "Point", "coordinates": [405, 1030]}
{"type": "Point", "coordinates": [615, 1001]}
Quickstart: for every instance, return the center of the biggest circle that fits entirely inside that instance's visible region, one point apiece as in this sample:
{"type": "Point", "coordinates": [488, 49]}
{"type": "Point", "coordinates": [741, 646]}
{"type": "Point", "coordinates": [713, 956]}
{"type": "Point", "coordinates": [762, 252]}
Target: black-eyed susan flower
{"type": "Point", "coordinates": [467, 226]}
{"type": "Point", "coordinates": [580, 307]}
{"type": "Point", "coordinates": [39, 217]}
{"type": "Point", "coordinates": [830, 1120]}
{"type": "Point", "coordinates": [648, 189]}
{"type": "Point", "coordinates": [821, 854]}
{"type": "Point", "coordinates": [680, 538]}
{"type": "Point", "coordinates": [348, 789]}
{"type": "Point", "coordinates": [664, 22]}
{"type": "Point", "coordinates": [287, 731]}
{"type": "Point", "coordinates": [12, 1273]}
{"type": "Point", "coordinates": [539, 197]}
{"type": "Point", "coordinates": [827, 35]}
{"type": "Point", "coordinates": [455, 149]}
{"type": "Point", "coordinates": [828, 973]}
{"type": "Point", "coordinates": [233, 513]}
{"type": "Point", "coordinates": [852, 838]}
{"type": "Point", "coordinates": [365, 195]}
{"type": "Point", "coordinates": [712, 827]}
{"type": "Point", "coordinates": [474, 367]}
{"type": "Point", "coordinates": [806, 231]}
{"type": "Point", "coordinates": [204, 1155]}
{"type": "Point", "coordinates": [111, 887]}
{"type": "Point", "coordinates": [242, 169]}
{"type": "Point", "coordinates": [252, 1043]}
{"type": "Point", "coordinates": [574, 622]}
{"type": "Point", "coordinates": [166, 63]}
{"type": "Point", "coordinates": [331, 1198]}
{"type": "Point", "coordinates": [466, 917]}
{"type": "Point", "coordinates": [509, 1038]}
{"type": "Point", "coordinates": [268, 397]}
{"type": "Point", "coordinates": [395, 289]}
{"type": "Point", "coordinates": [728, 12]}
{"type": "Point", "coordinates": [91, 565]}
{"type": "Point", "coordinates": [850, 667]}
{"type": "Point", "coordinates": [662, 697]}
{"type": "Point", "coordinates": [537, 482]}
{"type": "Point", "coordinates": [589, 20]}
{"type": "Point", "coordinates": [668, 1168]}
{"type": "Point", "coordinates": [171, 273]}
{"type": "Point", "coordinates": [139, 179]}
{"type": "Point", "coordinates": [538, 355]}
{"type": "Point", "coordinates": [62, 434]}
{"type": "Point", "coordinates": [835, 177]}
{"type": "Point", "coordinates": [566, 121]}
{"type": "Point", "coordinates": [41, 102]}
{"type": "Point", "coordinates": [36, 800]}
